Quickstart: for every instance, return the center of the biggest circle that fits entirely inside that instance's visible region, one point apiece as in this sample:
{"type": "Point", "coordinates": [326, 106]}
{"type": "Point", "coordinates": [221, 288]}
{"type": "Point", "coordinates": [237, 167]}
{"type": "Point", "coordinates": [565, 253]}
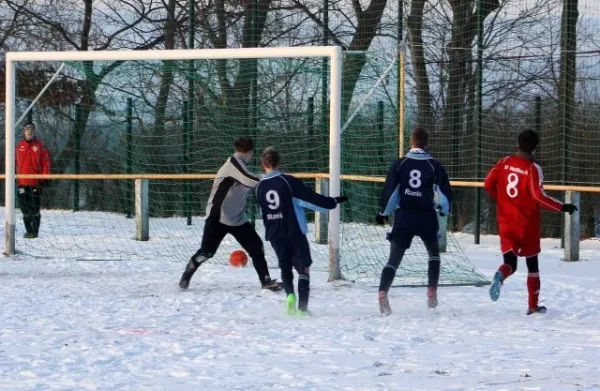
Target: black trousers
{"type": "Point", "coordinates": [30, 201]}
{"type": "Point", "coordinates": [246, 236]}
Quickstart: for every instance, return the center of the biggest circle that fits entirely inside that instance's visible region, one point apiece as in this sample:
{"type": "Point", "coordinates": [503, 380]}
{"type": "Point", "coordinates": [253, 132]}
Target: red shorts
{"type": "Point", "coordinates": [524, 241]}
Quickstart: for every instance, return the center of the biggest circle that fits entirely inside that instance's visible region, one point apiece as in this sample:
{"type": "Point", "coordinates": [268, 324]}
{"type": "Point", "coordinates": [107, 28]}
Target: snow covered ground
{"type": "Point", "coordinates": [124, 325]}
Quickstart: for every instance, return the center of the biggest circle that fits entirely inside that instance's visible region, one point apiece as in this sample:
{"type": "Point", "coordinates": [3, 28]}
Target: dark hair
{"type": "Point", "coordinates": [420, 137]}
{"type": "Point", "coordinates": [270, 158]}
{"type": "Point", "coordinates": [243, 144]}
{"type": "Point", "coordinates": [528, 141]}
{"type": "Point", "coordinates": [29, 124]}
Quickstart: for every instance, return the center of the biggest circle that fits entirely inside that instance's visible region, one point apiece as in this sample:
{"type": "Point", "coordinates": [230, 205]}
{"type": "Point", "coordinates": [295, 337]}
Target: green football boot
{"type": "Point", "coordinates": [291, 304]}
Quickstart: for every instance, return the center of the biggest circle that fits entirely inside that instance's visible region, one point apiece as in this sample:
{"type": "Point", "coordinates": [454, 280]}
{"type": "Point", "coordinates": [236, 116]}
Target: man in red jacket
{"type": "Point", "coordinates": [515, 182]}
{"type": "Point", "coordinates": [32, 158]}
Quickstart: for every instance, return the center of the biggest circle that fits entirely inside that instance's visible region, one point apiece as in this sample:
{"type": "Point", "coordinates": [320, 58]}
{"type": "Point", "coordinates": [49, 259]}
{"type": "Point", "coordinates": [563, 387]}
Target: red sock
{"type": "Point", "coordinates": [505, 270]}
{"type": "Point", "coordinates": [533, 287]}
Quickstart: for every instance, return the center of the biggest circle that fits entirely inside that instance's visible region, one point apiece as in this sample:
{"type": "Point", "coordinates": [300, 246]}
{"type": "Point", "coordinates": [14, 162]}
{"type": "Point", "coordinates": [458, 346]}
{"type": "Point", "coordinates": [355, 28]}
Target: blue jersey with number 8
{"type": "Point", "coordinates": [412, 182]}
{"type": "Point", "coordinates": [282, 199]}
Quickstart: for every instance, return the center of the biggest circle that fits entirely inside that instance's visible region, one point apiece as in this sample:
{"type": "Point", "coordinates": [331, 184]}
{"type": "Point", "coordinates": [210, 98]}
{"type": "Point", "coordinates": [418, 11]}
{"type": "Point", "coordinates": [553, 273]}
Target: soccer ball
{"type": "Point", "coordinates": [238, 258]}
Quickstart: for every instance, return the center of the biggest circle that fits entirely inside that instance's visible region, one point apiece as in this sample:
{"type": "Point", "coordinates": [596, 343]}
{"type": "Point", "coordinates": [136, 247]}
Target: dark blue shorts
{"type": "Point", "coordinates": [408, 224]}
{"type": "Point", "coordinates": [292, 253]}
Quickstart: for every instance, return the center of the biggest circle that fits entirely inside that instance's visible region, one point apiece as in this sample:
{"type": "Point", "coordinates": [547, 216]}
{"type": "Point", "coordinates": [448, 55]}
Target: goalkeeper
{"type": "Point", "coordinates": [226, 214]}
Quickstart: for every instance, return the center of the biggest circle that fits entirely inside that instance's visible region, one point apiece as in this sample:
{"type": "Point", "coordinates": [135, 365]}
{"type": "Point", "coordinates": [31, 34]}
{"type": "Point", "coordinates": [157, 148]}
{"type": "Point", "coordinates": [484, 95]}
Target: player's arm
{"type": "Point", "coordinates": [491, 181]}
{"type": "Point", "coordinates": [305, 197]}
{"type": "Point", "coordinates": [390, 197]}
{"type": "Point", "coordinates": [443, 190]}
{"type": "Point", "coordinates": [241, 174]}
{"type": "Point", "coordinates": [536, 188]}
{"type": "Point", "coordinates": [46, 161]}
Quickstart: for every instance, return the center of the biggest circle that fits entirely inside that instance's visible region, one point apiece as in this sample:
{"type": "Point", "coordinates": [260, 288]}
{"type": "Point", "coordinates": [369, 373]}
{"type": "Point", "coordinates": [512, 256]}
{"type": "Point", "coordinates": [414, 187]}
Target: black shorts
{"type": "Point", "coordinates": [408, 224]}
{"type": "Point", "coordinates": [215, 232]}
{"type": "Point", "coordinates": [292, 252]}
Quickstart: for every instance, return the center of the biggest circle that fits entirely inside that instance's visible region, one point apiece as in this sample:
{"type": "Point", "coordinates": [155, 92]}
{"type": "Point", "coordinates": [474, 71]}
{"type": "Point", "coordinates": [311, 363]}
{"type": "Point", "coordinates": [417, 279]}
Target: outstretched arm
{"type": "Point", "coordinates": [305, 197]}
{"type": "Point", "coordinates": [46, 161]}
{"type": "Point", "coordinates": [242, 175]}
{"type": "Point", "coordinates": [536, 188]}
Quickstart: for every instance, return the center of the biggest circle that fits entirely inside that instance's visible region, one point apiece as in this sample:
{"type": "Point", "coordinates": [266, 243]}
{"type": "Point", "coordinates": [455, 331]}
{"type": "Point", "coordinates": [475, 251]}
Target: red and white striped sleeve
{"type": "Point", "coordinates": [536, 187]}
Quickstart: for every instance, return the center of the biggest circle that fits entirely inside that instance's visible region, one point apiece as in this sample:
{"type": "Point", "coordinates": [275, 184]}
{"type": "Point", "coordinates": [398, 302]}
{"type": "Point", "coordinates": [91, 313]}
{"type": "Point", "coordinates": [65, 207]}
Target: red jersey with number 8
{"type": "Point", "coordinates": [515, 182]}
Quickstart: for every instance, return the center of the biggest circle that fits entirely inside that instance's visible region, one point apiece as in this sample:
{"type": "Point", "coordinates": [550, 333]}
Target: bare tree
{"type": "Point", "coordinates": [11, 24]}
{"type": "Point", "coordinates": [166, 76]}
{"type": "Point", "coordinates": [568, 73]}
{"type": "Point", "coordinates": [98, 25]}
{"type": "Point", "coordinates": [415, 36]}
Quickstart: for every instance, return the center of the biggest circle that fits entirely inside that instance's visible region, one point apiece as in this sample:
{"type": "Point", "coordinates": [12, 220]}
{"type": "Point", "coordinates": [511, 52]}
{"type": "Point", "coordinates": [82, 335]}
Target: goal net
{"type": "Point", "coordinates": [109, 119]}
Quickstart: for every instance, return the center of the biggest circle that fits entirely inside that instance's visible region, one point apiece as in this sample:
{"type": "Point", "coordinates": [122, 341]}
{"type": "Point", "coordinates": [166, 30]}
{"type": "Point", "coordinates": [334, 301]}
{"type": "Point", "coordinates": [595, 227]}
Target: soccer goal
{"type": "Point", "coordinates": [141, 134]}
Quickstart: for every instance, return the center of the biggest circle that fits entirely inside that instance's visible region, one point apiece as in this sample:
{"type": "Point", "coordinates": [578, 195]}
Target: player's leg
{"type": "Point", "coordinates": [282, 251]}
{"type": "Point", "coordinates": [302, 262]}
{"type": "Point", "coordinates": [213, 234]}
{"type": "Point", "coordinates": [510, 243]}
{"type": "Point", "coordinates": [428, 229]}
{"type": "Point", "coordinates": [397, 250]}
{"type": "Point", "coordinates": [533, 285]}
{"type": "Point", "coordinates": [508, 268]}
{"type": "Point", "coordinates": [26, 206]}
{"type": "Point", "coordinates": [253, 244]}
{"type": "Point", "coordinates": [433, 272]}
{"type": "Point", "coordinates": [36, 195]}
{"type": "Point", "coordinates": [531, 247]}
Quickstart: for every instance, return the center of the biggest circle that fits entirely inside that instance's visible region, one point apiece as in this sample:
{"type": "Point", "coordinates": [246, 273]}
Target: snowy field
{"type": "Point", "coordinates": [124, 325]}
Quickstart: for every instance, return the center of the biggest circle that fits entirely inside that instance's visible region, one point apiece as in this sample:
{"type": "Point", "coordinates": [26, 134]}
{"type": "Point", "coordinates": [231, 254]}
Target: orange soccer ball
{"type": "Point", "coordinates": [238, 258]}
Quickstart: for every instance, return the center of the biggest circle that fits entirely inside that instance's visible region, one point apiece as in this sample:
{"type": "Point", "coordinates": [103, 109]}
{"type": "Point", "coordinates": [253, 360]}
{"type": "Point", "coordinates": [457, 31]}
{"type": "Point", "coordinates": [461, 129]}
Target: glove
{"type": "Point", "coordinates": [569, 208]}
{"type": "Point", "coordinates": [44, 182]}
{"type": "Point", "coordinates": [340, 199]}
{"type": "Point", "coordinates": [381, 219]}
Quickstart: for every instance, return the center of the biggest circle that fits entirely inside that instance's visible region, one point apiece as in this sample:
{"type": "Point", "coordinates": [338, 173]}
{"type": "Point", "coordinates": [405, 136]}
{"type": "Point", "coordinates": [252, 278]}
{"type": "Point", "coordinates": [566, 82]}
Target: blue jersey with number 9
{"type": "Point", "coordinates": [282, 199]}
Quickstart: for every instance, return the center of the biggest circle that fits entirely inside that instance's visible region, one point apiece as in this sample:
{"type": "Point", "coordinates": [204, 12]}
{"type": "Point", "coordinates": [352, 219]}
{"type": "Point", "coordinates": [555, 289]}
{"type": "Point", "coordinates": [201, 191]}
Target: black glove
{"type": "Point", "coordinates": [340, 199]}
{"type": "Point", "coordinates": [569, 208]}
{"type": "Point", "coordinates": [381, 219]}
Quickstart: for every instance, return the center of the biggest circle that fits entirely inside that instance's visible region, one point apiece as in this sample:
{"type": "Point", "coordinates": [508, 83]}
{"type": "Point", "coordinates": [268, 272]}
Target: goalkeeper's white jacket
{"type": "Point", "coordinates": [229, 193]}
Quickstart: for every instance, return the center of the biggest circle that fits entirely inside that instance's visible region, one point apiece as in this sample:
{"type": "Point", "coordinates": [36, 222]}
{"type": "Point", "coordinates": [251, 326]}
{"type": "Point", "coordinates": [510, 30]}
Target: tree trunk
{"type": "Point", "coordinates": [163, 199]}
{"type": "Point", "coordinates": [167, 73]}
{"type": "Point", "coordinates": [464, 30]}
{"type": "Point", "coordinates": [415, 37]}
{"type": "Point", "coordinates": [236, 95]}
{"type": "Point", "coordinates": [366, 29]}
{"type": "Point", "coordinates": [568, 75]}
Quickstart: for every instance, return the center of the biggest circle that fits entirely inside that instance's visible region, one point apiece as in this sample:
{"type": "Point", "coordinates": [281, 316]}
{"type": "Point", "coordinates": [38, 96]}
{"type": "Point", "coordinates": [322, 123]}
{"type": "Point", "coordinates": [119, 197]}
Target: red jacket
{"type": "Point", "coordinates": [32, 158]}
{"type": "Point", "coordinates": [515, 183]}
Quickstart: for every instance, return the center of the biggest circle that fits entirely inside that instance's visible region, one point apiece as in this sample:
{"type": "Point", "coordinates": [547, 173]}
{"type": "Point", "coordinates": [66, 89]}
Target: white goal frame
{"type": "Point", "coordinates": [334, 53]}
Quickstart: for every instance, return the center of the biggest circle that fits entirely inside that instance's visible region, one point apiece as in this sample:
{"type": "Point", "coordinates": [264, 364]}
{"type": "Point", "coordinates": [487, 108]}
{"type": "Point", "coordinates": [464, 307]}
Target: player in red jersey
{"type": "Point", "coordinates": [515, 182]}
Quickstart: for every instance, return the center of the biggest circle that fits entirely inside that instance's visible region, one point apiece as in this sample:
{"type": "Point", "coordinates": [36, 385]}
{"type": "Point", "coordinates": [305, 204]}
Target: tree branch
{"type": "Point", "coordinates": [56, 26]}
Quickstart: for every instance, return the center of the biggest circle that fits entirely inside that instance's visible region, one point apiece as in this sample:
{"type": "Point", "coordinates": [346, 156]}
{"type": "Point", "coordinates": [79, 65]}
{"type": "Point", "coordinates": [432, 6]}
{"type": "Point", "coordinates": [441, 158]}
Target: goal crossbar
{"type": "Point", "coordinates": [334, 53]}
{"type": "Point", "coordinates": [180, 54]}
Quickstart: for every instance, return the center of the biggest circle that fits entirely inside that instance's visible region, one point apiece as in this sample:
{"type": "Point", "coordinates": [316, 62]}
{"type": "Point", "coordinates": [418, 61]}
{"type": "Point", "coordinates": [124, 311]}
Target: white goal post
{"type": "Point", "coordinates": [334, 53]}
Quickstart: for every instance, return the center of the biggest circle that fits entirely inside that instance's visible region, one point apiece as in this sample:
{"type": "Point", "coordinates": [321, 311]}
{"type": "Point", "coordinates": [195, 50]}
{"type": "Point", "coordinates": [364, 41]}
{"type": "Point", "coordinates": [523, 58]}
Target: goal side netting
{"type": "Point", "coordinates": [111, 120]}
